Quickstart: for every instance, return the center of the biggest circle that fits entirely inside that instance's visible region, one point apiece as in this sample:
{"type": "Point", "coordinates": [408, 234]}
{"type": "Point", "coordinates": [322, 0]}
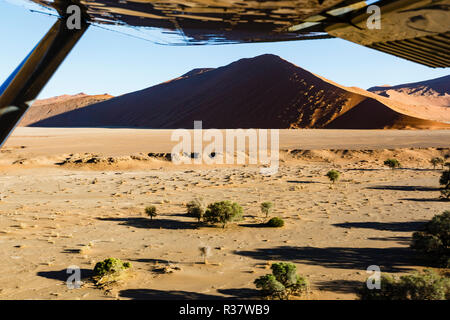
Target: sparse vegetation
{"type": "Point", "coordinates": [437, 161]}
{"type": "Point", "coordinates": [151, 212]}
{"type": "Point", "coordinates": [427, 285]}
{"type": "Point", "coordinates": [434, 240]}
{"type": "Point", "coordinates": [223, 212]}
{"type": "Point", "coordinates": [196, 209]}
{"type": "Point", "coordinates": [333, 175]}
{"type": "Point", "coordinates": [205, 252]}
{"type": "Point", "coordinates": [392, 163]}
{"type": "Point", "coordinates": [275, 222]}
{"type": "Point", "coordinates": [266, 208]}
{"type": "Point", "coordinates": [282, 283]}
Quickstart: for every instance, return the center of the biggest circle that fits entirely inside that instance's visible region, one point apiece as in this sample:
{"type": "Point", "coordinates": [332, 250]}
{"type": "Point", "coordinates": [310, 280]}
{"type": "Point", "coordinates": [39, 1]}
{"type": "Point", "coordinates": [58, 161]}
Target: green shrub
{"type": "Point", "coordinates": [266, 207]}
{"type": "Point", "coordinates": [419, 286]}
{"type": "Point", "coordinates": [333, 175]}
{"type": "Point", "coordinates": [195, 209]}
{"type": "Point", "coordinates": [110, 266]}
{"type": "Point", "coordinates": [282, 283]}
{"type": "Point", "coordinates": [392, 163]}
{"type": "Point", "coordinates": [275, 222]}
{"type": "Point", "coordinates": [151, 212]}
{"type": "Point", "coordinates": [437, 161]}
{"type": "Point", "coordinates": [434, 240]}
{"type": "Point", "coordinates": [223, 212]}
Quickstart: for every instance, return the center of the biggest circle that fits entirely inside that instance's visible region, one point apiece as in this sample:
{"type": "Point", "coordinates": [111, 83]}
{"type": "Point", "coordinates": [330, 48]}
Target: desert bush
{"type": "Point", "coordinates": [223, 212]}
{"type": "Point", "coordinates": [151, 212]}
{"type": "Point", "coordinates": [392, 163]}
{"type": "Point", "coordinates": [434, 240]}
{"type": "Point", "coordinates": [275, 222]}
{"type": "Point", "coordinates": [266, 208]}
{"type": "Point", "coordinates": [195, 209]}
{"type": "Point", "coordinates": [437, 161]}
{"type": "Point", "coordinates": [427, 285]}
{"type": "Point", "coordinates": [444, 180]}
{"type": "Point", "coordinates": [282, 283]}
{"type": "Point", "coordinates": [333, 175]}
{"type": "Point", "coordinates": [110, 265]}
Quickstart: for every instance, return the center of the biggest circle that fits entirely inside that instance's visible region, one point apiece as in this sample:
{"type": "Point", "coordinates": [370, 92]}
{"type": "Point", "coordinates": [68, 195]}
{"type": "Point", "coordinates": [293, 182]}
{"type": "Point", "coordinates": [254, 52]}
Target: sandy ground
{"type": "Point", "coordinates": [54, 216]}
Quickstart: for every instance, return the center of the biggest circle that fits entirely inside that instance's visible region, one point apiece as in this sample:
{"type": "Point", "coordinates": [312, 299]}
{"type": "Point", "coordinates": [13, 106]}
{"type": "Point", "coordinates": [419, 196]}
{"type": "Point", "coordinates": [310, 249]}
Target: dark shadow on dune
{"type": "Point", "coordinates": [409, 226]}
{"type": "Point", "coordinates": [302, 181]}
{"type": "Point", "coordinates": [241, 293]}
{"type": "Point", "coordinates": [151, 294]}
{"type": "Point", "coordinates": [426, 199]}
{"type": "Point", "coordinates": [254, 225]}
{"type": "Point", "coordinates": [146, 223]}
{"type": "Point", "coordinates": [399, 240]}
{"type": "Point", "coordinates": [340, 286]}
{"type": "Point", "coordinates": [404, 188]}
{"type": "Point", "coordinates": [62, 275]}
{"type": "Point", "coordinates": [389, 259]}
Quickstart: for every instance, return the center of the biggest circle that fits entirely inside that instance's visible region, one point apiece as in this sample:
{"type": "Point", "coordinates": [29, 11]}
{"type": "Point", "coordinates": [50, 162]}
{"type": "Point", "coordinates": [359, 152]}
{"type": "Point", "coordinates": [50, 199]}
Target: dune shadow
{"type": "Point", "coordinates": [146, 223]}
{"type": "Point", "coordinates": [340, 286]}
{"type": "Point", "coordinates": [62, 275]}
{"type": "Point", "coordinates": [408, 226]}
{"type": "Point", "coordinates": [404, 188]}
{"type": "Point", "coordinates": [389, 259]}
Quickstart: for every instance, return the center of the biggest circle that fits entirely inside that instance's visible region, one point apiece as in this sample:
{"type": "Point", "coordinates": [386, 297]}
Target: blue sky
{"type": "Point", "coordinates": [109, 62]}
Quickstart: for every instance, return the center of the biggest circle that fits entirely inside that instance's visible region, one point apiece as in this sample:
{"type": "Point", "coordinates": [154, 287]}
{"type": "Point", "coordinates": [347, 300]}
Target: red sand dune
{"type": "Point", "coordinates": [261, 92]}
{"type": "Point", "coordinates": [47, 108]}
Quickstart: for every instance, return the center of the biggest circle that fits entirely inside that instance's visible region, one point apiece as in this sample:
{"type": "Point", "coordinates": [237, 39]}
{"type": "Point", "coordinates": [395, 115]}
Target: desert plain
{"type": "Point", "coordinates": [73, 197]}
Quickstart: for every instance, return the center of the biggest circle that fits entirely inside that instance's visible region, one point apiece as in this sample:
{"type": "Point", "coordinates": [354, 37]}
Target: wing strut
{"type": "Point", "coordinates": [24, 84]}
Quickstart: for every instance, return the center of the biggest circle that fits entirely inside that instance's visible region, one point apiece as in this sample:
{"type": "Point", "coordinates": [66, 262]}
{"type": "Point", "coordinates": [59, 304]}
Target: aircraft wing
{"type": "Point", "coordinates": [416, 30]}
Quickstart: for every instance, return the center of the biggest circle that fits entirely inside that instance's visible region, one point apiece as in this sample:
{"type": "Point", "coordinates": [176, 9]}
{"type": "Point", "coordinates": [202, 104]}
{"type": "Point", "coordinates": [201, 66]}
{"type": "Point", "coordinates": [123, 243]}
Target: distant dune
{"type": "Point", "coordinates": [429, 97]}
{"type": "Point", "coordinates": [47, 108]}
{"type": "Point", "coordinates": [261, 92]}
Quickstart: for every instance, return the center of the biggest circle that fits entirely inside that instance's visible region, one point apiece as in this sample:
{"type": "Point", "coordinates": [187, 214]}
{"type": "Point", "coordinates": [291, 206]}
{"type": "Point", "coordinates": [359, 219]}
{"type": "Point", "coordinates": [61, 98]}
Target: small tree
{"type": "Point", "coordinates": [333, 175]}
{"type": "Point", "coordinates": [205, 252]}
{"type": "Point", "coordinates": [392, 163]}
{"type": "Point", "coordinates": [266, 208]}
{"type": "Point", "coordinates": [195, 209]}
{"type": "Point", "coordinates": [434, 239]}
{"type": "Point", "coordinates": [151, 212]}
{"type": "Point", "coordinates": [282, 283]}
{"type": "Point", "coordinates": [437, 161]}
{"type": "Point", "coordinates": [223, 212]}
{"type": "Point", "coordinates": [445, 181]}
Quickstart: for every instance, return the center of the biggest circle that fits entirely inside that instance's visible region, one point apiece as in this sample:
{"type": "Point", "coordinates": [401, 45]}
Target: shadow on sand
{"type": "Point", "coordinates": [62, 275]}
{"type": "Point", "coordinates": [152, 294]}
{"type": "Point", "coordinates": [389, 259]}
{"type": "Point", "coordinates": [404, 188]}
{"type": "Point", "coordinates": [409, 226]}
{"type": "Point", "coordinates": [340, 286]}
{"type": "Point", "coordinates": [146, 223]}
